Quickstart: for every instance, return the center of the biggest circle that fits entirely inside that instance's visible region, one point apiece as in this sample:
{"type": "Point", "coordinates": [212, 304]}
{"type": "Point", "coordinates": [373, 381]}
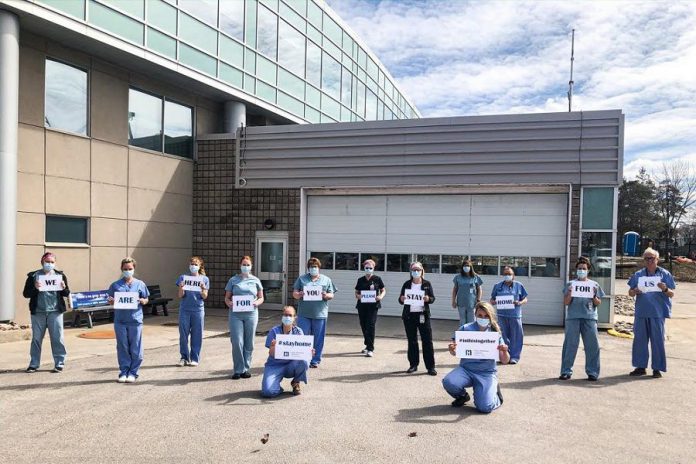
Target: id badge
{"type": "Point", "coordinates": [422, 318]}
{"type": "Point", "coordinates": [471, 290]}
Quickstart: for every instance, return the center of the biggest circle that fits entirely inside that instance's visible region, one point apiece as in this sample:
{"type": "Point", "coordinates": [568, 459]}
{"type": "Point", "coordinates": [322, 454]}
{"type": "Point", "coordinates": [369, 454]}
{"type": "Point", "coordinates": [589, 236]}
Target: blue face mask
{"type": "Point", "coordinates": [483, 322]}
{"type": "Point", "coordinates": [314, 271]}
{"type": "Point", "coordinates": [287, 320]}
{"type": "Point", "coordinates": [48, 267]}
{"type": "Point", "coordinates": [508, 278]}
{"type": "Point", "coordinates": [194, 269]}
{"type": "Point", "coordinates": [415, 273]}
{"type": "Point", "coordinates": [245, 269]}
{"type": "Point", "coordinates": [466, 269]}
{"type": "Point", "coordinates": [582, 273]}
{"type": "Point", "coordinates": [127, 274]}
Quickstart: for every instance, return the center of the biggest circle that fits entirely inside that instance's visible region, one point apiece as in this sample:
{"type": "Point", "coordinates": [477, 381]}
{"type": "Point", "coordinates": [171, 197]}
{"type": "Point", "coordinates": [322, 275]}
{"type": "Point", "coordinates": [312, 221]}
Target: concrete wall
{"type": "Point", "coordinates": [139, 202]}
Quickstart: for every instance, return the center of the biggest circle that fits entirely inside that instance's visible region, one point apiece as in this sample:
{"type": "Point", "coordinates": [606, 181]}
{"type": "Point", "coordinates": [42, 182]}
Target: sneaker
{"type": "Point", "coordinates": [296, 389]}
{"type": "Point", "coordinates": [193, 364]}
{"type": "Point", "coordinates": [182, 362]}
{"type": "Point", "coordinates": [638, 371]}
{"type": "Point", "coordinates": [514, 361]}
{"type": "Point", "coordinates": [656, 374]}
{"type": "Point", "coordinates": [370, 354]}
{"type": "Point", "coordinates": [500, 395]}
{"type": "Point", "coordinates": [364, 351]}
{"type": "Point", "coordinates": [564, 377]}
{"type": "Point", "coordinates": [461, 400]}
{"type": "Point", "coordinates": [121, 379]}
{"type": "Point", "coordinates": [592, 378]}
{"type": "Point", "coordinates": [30, 370]}
{"type": "Point", "coordinates": [245, 375]}
{"type": "Point", "coordinates": [236, 376]}
{"type": "Point", "coordinates": [314, 365]}
{"type": "Point", "coordinates": [58, 369]}
{"type": "Point", "coordinates": [130, 379]}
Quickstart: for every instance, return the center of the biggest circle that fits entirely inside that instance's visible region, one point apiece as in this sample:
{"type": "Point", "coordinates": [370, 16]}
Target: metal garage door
{"type": "Point", "coordinates": [527, 231]}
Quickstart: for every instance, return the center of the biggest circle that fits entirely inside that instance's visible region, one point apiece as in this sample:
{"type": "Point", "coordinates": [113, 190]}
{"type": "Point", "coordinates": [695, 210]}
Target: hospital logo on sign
{"type": "Point", "coordinates": [469, 353]}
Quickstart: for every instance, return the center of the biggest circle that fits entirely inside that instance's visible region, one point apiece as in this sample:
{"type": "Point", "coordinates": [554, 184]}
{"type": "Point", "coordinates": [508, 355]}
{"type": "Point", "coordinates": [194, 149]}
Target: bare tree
{"type": "Point", "coordinates": [675, 196]}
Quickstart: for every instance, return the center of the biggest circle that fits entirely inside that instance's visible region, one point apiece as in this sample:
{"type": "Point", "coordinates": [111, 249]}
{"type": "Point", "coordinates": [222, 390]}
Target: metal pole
{"type": "Point", "coordinates": [9, 120]}
{"type": "Point", "coordinates": [570, 82]}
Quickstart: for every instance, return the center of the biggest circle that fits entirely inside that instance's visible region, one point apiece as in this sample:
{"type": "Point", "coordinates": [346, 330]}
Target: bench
{"type": "Point", "coordinates": [89, 303]}
{"type": "Point", "coordinates": [156, 299]}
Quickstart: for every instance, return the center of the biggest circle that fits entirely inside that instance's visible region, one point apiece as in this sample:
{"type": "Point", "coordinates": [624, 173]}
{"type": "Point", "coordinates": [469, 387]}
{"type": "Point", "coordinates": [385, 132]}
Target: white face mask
{"type": "Point", "coordinates": [466, 269]}
{"type": "Point", "coordinates": [194, 268]}
{"type": "Point", "coordinates": [245, 269]}
{"type": "Point", "coordinates": [416, 273]}
{"type": "Point", "coordinates": [314, 271]}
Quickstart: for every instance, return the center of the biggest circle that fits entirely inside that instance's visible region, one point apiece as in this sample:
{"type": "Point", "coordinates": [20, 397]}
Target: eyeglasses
{"type": "Point", "coordinates": [649, 258]}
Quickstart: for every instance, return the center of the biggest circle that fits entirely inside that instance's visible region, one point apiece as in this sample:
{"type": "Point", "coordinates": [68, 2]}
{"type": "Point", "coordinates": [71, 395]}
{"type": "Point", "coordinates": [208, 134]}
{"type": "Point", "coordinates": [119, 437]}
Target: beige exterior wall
{"type": "Point", "coordinates": [138, 202]}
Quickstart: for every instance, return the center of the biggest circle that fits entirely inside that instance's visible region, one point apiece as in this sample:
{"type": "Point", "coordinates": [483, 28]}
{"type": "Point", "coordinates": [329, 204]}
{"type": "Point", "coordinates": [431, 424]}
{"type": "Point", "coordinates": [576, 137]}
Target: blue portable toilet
{"type": "Point", "coordinates": [631, 244]}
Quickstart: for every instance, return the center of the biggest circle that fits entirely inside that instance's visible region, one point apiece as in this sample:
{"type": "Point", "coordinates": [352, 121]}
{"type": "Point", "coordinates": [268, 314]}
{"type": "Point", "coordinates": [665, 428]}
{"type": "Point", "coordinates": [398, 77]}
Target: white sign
{"type": "Point", "coordinates": [243, 303]}
{"type": "Point", "coordinates": [415, 299]}
{"type": "Point", "coordinates": [126, 300]}
{"type": "Point", "coordinates": [50, 282]}
{"type": "Point", "coordinates": [294, 347]}
{"type": "Point", "coordinates": [312, 293]}
{"type": "Point", "coordinates": [477, 345]}
{"type": "Point", "coordinates": [368, 296]}
{"type": "Point", "coordinates": [649, 284]}
{"type": "Point", "coordinates": [192, 283]}
{"type": "Point", "coordinates": [505, 302]}
{"type": "Point", "coordinates": [580, 289]}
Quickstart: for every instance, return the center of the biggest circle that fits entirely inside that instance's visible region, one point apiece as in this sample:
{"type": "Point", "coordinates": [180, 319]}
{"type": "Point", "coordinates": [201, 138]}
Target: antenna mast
{"type": "Point", "coordinates": [570, 82]}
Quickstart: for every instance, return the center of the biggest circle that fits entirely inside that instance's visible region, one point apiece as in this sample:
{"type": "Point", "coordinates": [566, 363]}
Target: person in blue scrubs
{"type": "Point", "coordinates": [192, 314]}
{"type": "Point", "coordinates": [312, 315]}
{"type": "Point", "coordinates": [128, 323]}
{"type": "Point", "coordinates": [581, 320]}
{"type": "Point", "coordinates": [466, 292]}
{"type": "Point", "coordinates": [276, 370]}
{"type": "Point", "coordinates": [481, 374]}
{"type": "Point", "coordinates": [652, 308]}
{"type": "Point", "coordinates": [510, 320]}
{"type": "Point", "coordinates": [243, 324]}
{"type": "Point", "coordinates": [46, 308]}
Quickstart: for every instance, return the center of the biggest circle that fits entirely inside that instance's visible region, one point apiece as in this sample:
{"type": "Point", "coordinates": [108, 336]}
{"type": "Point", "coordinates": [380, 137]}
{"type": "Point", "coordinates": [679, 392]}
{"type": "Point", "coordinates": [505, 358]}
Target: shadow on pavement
{"type": "Point", "coordinates": [438, 414]}
{"type": "Point", "coordinates": [579, 381]}
{"type": "Point", "coordinates": [239, 397]}
{"type": "Point", "coordinates": [367, 377]}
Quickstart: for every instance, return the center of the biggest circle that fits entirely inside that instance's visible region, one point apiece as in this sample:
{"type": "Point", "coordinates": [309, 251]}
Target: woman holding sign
{"type": "Point", "coordinates": [243, 295]}
{"type": "Point", "coordinates": [369, 292]}
{"type": "Point", "coordinates": [313, 292]}
{"type": "Point", "coordinates": [466, 292]}
{"type": "Point", "coordinates": [508, 296]}
{"type": "Point", "coordinates": [193, 290]}
{"type": "Point", "coordinates": [277, 369]}
{"type": "Point", "coordinates": [416, 296]}
{"type": "Point", "coordinates": [46, 289]}
{"type": "Point", "coordinates": [582, 296]}
{"type": "Point", "coordinates": [479, 373]}
{"type": "Point", "coordinates": [128, 295]}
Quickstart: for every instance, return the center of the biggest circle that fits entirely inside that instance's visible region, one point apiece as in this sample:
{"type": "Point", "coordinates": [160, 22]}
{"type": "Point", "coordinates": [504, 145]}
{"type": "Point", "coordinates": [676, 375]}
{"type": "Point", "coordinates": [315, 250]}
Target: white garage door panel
{"type": "Point", "coordinates": [479, 225]}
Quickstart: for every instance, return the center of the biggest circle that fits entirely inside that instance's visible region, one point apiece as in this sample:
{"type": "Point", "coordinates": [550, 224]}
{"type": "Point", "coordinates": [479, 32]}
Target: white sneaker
{"type": "Point", "coordinates": [364, 351]}
{"type": "Point", "coordinates": [193, 363]}
{"type": "Point", "coordinates": [130, 379]}
{"type": "Point", "coordinates": [369, 354]}
{"type": "Point", "coordinates": [122, 379]}
{"type": "Point", "coordinates": [182, 362]}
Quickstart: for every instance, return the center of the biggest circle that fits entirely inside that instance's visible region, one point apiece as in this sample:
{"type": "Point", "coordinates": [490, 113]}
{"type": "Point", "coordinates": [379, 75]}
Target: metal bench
{"type": "Point", "coordinates": [156, 299]}
{"type": "Point", "coordinates": [89, 303]}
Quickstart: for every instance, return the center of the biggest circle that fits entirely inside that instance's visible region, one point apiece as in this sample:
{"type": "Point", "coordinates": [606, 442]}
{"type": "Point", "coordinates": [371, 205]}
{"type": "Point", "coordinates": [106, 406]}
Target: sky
{"type": "Point", "coordinates": [457, 57]}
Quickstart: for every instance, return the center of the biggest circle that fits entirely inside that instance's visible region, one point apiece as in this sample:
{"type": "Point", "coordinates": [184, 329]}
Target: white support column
{"type": "Point", "coordinates": [9, 120]}
{"type": "Point", "coordinates": [235, 116]}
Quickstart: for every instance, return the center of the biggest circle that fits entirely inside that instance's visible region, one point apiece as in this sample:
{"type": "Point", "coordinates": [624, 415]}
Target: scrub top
{"type": "Point", "coordinates": [46, 302]}
{"type": "Point", "coordinates": [375, 283]}
{"type": "Point", "coordinates": [518, 292]}
{"type": "Point", "coordinates": [653, 304]}
{"type": "Point", "coordinates": [466, 289]}
{"type": "Point", "coordinates": [483, 366]}
{"type": "Point", "coordinates": [129, 316]}
{"type": "Point", "coordinates": [238, 285]}
{"type": "Point", "coordinates": [192, 301]}
{"type": "Point", "coordinates": [278, 330]}
{"type": "Point", "coordinates": [314, 309]}
{"type": "Point", "coordinates": [582, 308]}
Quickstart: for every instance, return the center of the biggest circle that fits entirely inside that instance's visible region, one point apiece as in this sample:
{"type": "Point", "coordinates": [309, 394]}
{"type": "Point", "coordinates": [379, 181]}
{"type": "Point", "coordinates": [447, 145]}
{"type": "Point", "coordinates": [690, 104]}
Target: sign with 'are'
{"type": "Point", "coordinates": [126, 300]}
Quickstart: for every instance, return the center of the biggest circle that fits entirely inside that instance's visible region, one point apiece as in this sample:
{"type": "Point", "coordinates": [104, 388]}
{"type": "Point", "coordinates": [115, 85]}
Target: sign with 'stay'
{"type": "Point", "coordinates": [312, 293]}
{"type": "Point", "coordinates": [294, 347]}
{"type": "Point", "coordinates": [648, 284]}
{"type": "Point", "coordinates": [580, 289]}
{"type": "Point", "coordinates": [415, 299]}
{"type": "Point", "coordinates": [243, 303]}
{"type": "Point", "coordinates": [126, 300]}
{"type": "Point", "coordinates": [50, 282]}
{"type": "Point", "coordinates": [505, 302]}
{"type": "Point", "coordinates": [192, 283]}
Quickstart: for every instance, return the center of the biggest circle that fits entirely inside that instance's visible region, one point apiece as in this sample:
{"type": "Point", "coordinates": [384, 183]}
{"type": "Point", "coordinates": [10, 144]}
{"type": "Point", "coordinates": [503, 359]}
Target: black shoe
{"type": "Point", "coordinates": [30, 370]}
{"type": "Point", "coordinates": [236, 376]}
{"type": "Point", "coordinates": [245, 375]}
{"type": "Point", "coordinates": [657, 374]}
{"type": "Point", "coordinates": [638, 371]}
{"type": "Point", "coordinates": [461, 400]}
{"type": "Point", "coordinates": [411, 369]}
{"type": "Point", "coordinates": [432, 371]}
{"type": "Point", "coordinates": [500, 395]}
{"type": "Point", "coordinates": [564, 377]}
{"type": "Point", "coordinates": [592, 378]}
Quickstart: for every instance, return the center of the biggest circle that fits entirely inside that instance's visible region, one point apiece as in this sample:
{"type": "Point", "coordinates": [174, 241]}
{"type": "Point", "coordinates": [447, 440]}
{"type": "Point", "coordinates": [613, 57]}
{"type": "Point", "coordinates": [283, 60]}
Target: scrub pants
{"type": "Point", "coordinates": [513, 335]}
{"type": "Point", "coordinates": [574, 328]}
{"type": "Point", "coordinates": [242, 330]}
{"type": "Point", "coordinates": [368, 321]}
{"type": "Point", "coordinates": [273, 375]}
{"type": "Point", "coordinates": [649, 329]}
{"type": "Point", "coordinates": [413, 326]}
{"type": "Point", "coordinates": [316, 327]}
{"type": "Point", "coordinates": [191, 325]}
{"type": "Point", "coordinates": [466, 314]}
{"type": "Point", "coordinates": [129, 347]}
{"type": "Point", "coordinates": [53, 321]}
{"type": "Point", "coordinates": [485, 387]}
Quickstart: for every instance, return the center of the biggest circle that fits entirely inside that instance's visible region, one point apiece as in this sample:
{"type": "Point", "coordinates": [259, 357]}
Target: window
{"type": "Point", "coordinates": [161, 43]}
{"type": "Point", "coordinates": [196, 33]}
{"type": "Point", "coordinates": [116, 23]}
{"type": "Point", "coordinates": [326, 258]}
{"type": "Point", "coordinates": [267, 32]}
{"type": "Point", "coordinates": [431, 263]}
{"type": "Point", "coordinates": [291, 49]}
{"type": "Point", "coordinates": [398, 262]}
{"type": "Point", "coordinates": [134, 7]}
{"type": "Point", "coordinates": [598, 208]}
{"type": "Point", "coordinates": [206, 10]}
{"type": "Point", "coordinates": [485, 265]}
{"type": "Point", "coordinates": [451, 264]}
{"type": "Point", "coordinates": [331, 76]}
{"type": "Point", "coordinates": [232, 18]}
{"type": "Point", "coordinates": [178, 129]}
{"type": "Point", "coordinates": [313, 64]}
{"type": "Point", "coordinates": [197, 59]}
{"type": "Point", "coordinates": [347, 261]}
{"type": "Point", "coordinates": [546, 267]}
{"type": "Point", "coordinates": [231, 51]}
{"type": "Point", "coordinates": [378, 258]}
{"type": "Point", "coordinates": [62, 229]}
{"type": "Point", "coordinates": [162, 15]}
{"type": "Point", "coordinates": [66, 98]}
{"type": "Point", "coordinates": [598, 246]}
{"type": "Point", "coordinates": [72, 7]}
{"type": "Point", "coordinates": [519, 265]}
{"type": "Point", "coordinates": [346, 82]}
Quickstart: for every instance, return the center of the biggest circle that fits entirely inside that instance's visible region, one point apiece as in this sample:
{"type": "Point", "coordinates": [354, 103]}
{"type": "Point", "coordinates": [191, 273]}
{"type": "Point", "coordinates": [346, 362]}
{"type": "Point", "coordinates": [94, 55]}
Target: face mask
{"type": "Point", "coordinates": [127, 274]}
{"type": "Point", "coordinates": [369, 270]}
{"type": "Point", "coordinates": [415, 273]}
{"type": "Point", "coordinates": [483, 322]}
{"type": "Point", "coordinates": [245, 269]}
{"type": "Point", "coordinates": [508, 278]}
{"type": "Point", "coordinates": [287, 320]}
{"type": "Point", "coordinates": [314, 271]}
{"type": "Point", "coordinates": [193, 268]}
{"type": "Point", "coordinates": [582, 273]}
{"type": "Point", "coordinates": [48, 266]}
{"type": "Point", "coordinates": [466, 269]}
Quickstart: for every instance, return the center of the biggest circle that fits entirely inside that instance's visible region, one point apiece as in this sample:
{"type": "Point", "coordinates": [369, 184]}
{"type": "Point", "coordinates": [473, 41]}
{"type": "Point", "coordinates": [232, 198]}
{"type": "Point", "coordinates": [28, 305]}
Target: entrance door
{"type": "Point", "coordinates": [271, 269]}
